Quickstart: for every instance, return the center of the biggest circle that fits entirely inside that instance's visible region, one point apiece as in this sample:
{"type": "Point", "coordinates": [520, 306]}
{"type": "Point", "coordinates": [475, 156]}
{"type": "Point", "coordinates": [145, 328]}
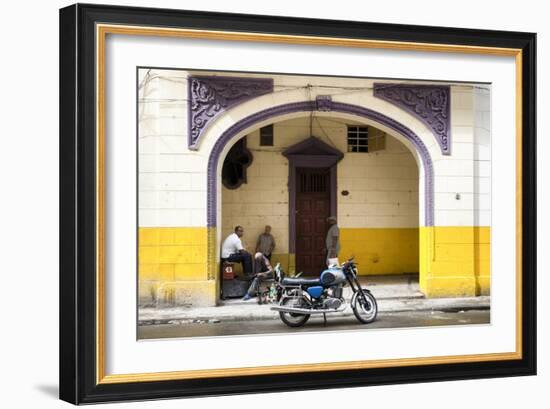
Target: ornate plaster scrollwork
{"type": "Point", "coordinates": [210, 96]}
{"type": "Point", "coordinates": [429, 103]}
{"type": "Point", "coordinates": [324, 103]}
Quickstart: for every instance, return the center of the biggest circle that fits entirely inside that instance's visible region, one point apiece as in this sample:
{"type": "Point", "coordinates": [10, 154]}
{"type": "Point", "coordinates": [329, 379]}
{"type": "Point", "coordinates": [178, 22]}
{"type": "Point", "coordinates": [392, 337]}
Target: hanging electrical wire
{"type": "Point", "coordinates": [324, 132]}
{"type": "Point", "coordinates": [278, 88]}
{"type": "Point", "coordinates": [311, 111]}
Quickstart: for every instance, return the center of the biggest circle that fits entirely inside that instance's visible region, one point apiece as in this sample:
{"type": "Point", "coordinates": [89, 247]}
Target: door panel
{"type": "Point", "coordinates": [312, 210]}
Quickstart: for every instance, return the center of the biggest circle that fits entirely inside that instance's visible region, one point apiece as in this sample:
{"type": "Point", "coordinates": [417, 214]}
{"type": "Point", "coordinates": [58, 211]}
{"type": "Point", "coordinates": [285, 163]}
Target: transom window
{"type": "Point", "coordinates": [266, 135]}
{"type": "Point", "coordinates": [358, 138]}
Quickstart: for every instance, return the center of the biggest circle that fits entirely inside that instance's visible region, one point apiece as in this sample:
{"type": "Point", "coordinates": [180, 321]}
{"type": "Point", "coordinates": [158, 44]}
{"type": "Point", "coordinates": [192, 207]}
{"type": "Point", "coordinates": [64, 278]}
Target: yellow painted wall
{"type": "Point", "coordinates": [455, 261]}
{"type": "Point", "coordinates": [173, 266]}
{"type": "Point", "coordinates": [376, 250]}
{"type": "Point", "coordinates": [381, 250]}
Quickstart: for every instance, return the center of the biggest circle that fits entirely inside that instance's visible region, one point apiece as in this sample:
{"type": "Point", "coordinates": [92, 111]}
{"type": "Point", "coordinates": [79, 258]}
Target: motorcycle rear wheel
{"type": "Point", "coordinates": [292, 319]}
{"type": "Point", "coordinates": [365, 312]}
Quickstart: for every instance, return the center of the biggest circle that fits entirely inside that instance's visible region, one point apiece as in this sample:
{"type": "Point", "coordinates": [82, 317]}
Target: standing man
{"type": "Point", "coordinates": [233, 250]}
{"type": "Point", "coordinates": [266, 243]}
{"type": "Point", "coordinates": [332, 241]}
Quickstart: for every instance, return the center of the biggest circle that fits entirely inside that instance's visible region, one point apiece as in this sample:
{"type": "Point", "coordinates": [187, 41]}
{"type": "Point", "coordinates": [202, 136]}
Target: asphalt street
{"type": "Point", "coordinates": [315, 324]}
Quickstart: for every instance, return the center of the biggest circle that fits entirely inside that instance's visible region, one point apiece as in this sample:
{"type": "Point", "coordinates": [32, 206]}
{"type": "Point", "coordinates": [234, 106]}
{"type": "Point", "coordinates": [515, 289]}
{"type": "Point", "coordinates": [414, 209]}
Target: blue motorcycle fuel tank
{"type": "Point", "coordinates": [332, 276]}
{"type": "Point", "coordinates": [315, 292]}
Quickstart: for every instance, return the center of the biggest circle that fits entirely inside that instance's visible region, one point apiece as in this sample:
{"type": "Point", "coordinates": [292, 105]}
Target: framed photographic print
{"type": "Point", "coordinates": [257, 203]}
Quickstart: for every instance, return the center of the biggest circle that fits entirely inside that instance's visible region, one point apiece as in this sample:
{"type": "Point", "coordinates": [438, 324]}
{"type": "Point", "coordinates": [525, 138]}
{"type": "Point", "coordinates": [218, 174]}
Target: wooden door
{"type": "Point", "coordinates": [312, 210]}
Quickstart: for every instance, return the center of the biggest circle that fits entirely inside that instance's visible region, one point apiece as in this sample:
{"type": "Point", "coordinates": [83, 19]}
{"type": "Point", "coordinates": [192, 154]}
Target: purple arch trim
{"type": "Point", "coordinates": [307, 106]}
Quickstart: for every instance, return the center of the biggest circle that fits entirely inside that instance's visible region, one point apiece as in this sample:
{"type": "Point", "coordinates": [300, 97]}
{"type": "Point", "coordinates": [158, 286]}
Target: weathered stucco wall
{"type": "Point", "coordinates": [457, 248]}
{"type": "Point", "coordinates": [380, 209]}
{"type": "Point", "coordinates": [453, 255]}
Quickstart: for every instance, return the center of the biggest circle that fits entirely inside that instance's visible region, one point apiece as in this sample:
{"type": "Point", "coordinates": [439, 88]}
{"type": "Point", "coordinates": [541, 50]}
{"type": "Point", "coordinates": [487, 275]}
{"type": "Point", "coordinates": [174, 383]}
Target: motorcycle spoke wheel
{"type": "Point", "coordinates": [365, 309]}
{"type": "Point", "coordinates": [290, 318]}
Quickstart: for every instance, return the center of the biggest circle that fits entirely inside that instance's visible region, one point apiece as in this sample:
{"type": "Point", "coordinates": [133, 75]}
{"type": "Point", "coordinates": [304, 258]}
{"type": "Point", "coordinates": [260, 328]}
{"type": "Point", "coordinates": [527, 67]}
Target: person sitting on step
{"type": "Point", "coordinates": [263, 271]}
{"type": "Point", "coordinates": [233, 250]}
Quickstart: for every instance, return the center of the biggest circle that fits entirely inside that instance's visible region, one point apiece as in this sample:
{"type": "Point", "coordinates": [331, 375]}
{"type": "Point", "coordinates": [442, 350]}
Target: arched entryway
{"type": "Point", "coordinates": [274, 114]}
{"type": "Point", "coordinates": [232, 132]}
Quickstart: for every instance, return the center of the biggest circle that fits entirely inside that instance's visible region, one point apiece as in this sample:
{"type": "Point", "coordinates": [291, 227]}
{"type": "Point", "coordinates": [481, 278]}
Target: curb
{"type": "Point", "coordinates": [392, 306]}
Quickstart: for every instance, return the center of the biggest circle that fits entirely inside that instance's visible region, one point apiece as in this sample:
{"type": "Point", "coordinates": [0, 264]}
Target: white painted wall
{"type": "Point", "coordinates": [172, 181]}
{"type": "Point", "coordinates": [462, 179]}
{"type": "Point", "coordinates": [482, 155]}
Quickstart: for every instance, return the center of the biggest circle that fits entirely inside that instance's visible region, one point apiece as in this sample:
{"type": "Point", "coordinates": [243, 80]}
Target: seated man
{"type": "Point", "coordinates": [233, 250]}
{"type": "Point", "coordinates": [263, 271]}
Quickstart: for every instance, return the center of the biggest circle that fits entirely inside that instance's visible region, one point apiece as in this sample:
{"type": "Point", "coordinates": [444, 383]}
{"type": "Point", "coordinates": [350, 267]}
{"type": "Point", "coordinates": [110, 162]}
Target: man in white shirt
{"type": "Point", "coordinates": [233, 250]}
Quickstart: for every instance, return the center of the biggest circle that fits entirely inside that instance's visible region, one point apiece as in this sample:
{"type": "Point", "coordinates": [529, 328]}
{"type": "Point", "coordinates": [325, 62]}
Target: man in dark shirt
{"type": "Point", "coordinates": [266, 243]}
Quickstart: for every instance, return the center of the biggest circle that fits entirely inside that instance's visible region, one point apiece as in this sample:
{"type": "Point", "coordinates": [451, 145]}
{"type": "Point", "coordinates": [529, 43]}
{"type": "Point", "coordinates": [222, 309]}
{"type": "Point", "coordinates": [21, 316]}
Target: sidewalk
{"type": "Point", "coordinates": [394, 294]}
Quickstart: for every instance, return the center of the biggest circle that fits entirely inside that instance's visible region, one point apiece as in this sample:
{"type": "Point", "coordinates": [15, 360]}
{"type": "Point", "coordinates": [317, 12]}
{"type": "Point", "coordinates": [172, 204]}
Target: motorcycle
{"type": "Point", "coordinates": [300, 298]}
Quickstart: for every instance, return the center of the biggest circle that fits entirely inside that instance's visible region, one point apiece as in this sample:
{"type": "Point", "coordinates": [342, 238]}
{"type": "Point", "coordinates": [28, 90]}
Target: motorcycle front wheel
{"type": "Point", "coordinates": [365, 309]}
{"type": "Point", "coordinates": [290, 318]}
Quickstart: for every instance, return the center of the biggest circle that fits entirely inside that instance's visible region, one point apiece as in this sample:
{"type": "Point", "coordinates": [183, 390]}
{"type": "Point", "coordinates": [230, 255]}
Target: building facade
{"type": "Point", "coordinates": [403, 165]}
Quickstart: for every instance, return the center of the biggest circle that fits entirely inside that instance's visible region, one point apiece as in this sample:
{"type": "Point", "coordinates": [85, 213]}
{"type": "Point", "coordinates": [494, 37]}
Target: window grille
{"type": "Point", "coordinates": [358, 138]}
{"type": "Point", "coordinates": [313, 182]}
{"type": "Point", "coordinates": [365, 139]}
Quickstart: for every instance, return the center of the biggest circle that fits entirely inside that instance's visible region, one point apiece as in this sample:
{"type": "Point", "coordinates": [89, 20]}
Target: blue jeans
{"type": "Point", "coordinates": [255, 285]}
{"type": "Point", "coordinates": [245, 259]}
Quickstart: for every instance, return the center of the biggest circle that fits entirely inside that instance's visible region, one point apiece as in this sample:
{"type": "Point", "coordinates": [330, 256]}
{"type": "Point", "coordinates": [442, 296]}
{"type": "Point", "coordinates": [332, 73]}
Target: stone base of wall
{"type": "Point", "coordinates": [173, 267]}
{"type": "Point", "coordinates": [177, 293]}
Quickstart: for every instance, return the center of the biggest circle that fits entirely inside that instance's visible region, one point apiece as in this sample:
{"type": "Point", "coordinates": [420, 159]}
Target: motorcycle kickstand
{"type": "Point", "coordinates": [325, 319]}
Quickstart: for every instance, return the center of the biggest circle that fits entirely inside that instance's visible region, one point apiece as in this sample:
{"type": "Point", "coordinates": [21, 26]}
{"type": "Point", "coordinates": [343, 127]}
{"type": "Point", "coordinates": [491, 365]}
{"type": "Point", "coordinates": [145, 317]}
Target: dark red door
{"type": "Point", "coordinates": [312, 210]}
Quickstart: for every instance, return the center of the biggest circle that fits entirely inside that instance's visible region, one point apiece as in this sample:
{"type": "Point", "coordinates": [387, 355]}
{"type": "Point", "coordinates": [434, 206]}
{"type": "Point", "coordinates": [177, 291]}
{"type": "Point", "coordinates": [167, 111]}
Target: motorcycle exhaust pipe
{"type": "Point", "coordinates": [306, 311]}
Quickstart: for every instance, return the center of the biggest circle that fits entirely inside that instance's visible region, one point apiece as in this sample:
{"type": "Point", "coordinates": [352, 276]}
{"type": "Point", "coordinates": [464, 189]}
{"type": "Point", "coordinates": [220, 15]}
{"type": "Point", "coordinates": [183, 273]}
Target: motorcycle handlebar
{"type": "Point", "coordinates": [348, 262]}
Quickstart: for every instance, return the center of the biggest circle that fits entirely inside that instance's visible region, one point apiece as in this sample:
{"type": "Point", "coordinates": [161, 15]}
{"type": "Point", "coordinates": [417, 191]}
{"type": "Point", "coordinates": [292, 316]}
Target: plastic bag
{"type": "Point", "coordinates": [333, 262]}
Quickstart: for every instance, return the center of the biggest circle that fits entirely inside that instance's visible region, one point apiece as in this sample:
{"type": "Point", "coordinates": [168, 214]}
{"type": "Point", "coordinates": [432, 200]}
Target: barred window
{"type": "Point", "coordinates": [365, 139]}
{"type": "Point", "coordinates": [358, 138]}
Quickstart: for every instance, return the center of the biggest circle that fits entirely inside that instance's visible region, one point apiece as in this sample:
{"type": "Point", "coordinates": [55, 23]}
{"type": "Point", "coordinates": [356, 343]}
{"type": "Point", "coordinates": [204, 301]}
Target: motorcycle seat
{"type": "Point", "coordinates": [301, 281]}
